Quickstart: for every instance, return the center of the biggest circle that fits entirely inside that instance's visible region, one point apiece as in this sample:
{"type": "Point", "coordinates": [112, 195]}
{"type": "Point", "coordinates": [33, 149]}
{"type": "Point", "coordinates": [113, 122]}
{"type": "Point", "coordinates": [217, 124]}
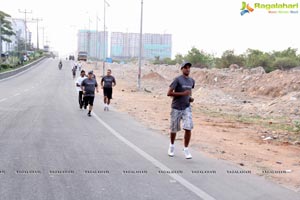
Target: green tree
{"type": "Point", "coordinates": [169, 61]}
{"type": "Point", "coordinates": [199, 58]}
{"type": "Point", "coordinates": [228, 57]}
{"type": "Point", "coordinates": [285, 63]}
{"type": "Point", "coordinates": [289, 52]}
{"type": "Point", "coordinates": [179, 58]}
{"type": "Point", "coordinates": [5, 29]}
{"type": "Point", "coordinates": [256, 58]}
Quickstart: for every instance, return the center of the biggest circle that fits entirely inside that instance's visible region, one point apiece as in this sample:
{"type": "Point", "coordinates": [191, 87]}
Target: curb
{"type": "Point", "coordinates": [8, 74]}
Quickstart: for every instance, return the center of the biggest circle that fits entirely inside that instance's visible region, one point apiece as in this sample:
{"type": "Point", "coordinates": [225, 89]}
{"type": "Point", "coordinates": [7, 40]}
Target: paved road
{"type": "Point", "coordinates": [50, 150]}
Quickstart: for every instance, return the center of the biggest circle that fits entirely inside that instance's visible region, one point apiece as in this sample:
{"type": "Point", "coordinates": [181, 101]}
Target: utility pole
{"type": "Point", "coordinates": [37, 31]}
{"type": "Point", "coordinates": [0, 38]}
{"type": "Point", "coordinates": [43, 28]}
{"type": "Point", "coordinates": [104, 41]}
{"type": "Point", "coordinates": [25, 12]}
{"type": "Point", "coordinates": [140, 51]}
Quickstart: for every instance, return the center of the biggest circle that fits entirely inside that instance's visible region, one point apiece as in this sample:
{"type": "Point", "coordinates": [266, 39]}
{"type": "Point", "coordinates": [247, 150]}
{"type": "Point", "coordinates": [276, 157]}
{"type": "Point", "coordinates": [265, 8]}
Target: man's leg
{"type": "Point", "coordinates": [91, 103]}
{"type": "Point", "coordinates": [172, 137]}
{"type": "Point", "coordinates": [109, 95]}
{"type": "Point", "coordinates": [187, 138]}
{"type": "Point", "coordinates": [187, 126]}
{"type": "Point", "coordinates": [175, 127]}
{"type": "Point", "coordinates": [80, 99]}
{"type": "Point", "coordinates": [90, 108]}
{"type": "Point", "coordinates": [85, 101]}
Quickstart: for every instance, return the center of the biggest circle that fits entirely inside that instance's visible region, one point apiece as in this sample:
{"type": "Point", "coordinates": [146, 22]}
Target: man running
{"type": "Point", "coordinates": [78, 87]}
{"type": "Point", "coordinates": [74, 71]}
{"type": "Point", "coordinates": [79, 66]}
{"type": "Point", "coordinates": [107, 83]}
{"type": "Point", "coordinates": [88, 87]}
{"type": "Point", "coordinates": [181, 91]}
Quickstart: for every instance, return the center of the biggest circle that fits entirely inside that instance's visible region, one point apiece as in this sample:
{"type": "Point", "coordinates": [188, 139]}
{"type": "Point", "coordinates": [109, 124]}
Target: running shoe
{"type": "Point", "coordinates": [171, 151]}
{"type": "Point", "coordinates": [187, 153]}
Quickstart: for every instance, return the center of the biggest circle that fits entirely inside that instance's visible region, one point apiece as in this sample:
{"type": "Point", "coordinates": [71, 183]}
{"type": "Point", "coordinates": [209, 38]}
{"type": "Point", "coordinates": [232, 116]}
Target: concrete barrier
{"type": "Point", "coordinates": [4, 75]}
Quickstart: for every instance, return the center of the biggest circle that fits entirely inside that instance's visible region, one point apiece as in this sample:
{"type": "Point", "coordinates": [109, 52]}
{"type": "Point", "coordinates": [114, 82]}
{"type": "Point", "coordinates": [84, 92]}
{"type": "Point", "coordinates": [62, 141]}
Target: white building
{"type": "Point", "coordinates": [18, 26]}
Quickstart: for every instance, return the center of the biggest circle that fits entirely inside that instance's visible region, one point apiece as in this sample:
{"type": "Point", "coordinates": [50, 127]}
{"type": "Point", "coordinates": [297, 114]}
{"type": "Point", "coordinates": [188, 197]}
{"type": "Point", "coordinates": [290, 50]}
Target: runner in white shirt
{"type": "Point", "coordinates": [78, 87]}
{"type": "Point", "coordinates": [79, 66]}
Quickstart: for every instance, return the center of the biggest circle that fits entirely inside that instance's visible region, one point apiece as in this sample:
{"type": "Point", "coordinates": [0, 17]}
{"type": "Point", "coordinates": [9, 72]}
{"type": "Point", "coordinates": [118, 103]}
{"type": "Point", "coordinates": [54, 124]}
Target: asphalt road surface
{"type": "Point", "coordinates": [51, 150]}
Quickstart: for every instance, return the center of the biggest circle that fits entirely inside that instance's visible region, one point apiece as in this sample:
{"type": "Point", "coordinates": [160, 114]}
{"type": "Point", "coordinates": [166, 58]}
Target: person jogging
{"type": "Point", "coordinates": [78, 87]}
{"type": "Point", "coordinates": [107, 84]}
{"type": "Point", "coordinates": [181, 91]}
{"type": "Point", "coordinates": [88, 87]}
{"type": "Point", "coordinates": [74, 71]}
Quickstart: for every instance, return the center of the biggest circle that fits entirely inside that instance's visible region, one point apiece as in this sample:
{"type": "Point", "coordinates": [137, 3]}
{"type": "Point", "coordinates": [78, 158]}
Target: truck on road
{"type": "Point", "coordinates": [82, 55]}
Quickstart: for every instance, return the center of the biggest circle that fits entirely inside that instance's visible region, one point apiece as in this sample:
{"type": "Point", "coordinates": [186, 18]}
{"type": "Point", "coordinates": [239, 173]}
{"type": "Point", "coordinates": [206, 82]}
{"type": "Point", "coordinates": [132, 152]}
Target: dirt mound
{"type": "Point", "coordinates": [275, 84]}
{"type": "Point", "coordinates": [153, 76]}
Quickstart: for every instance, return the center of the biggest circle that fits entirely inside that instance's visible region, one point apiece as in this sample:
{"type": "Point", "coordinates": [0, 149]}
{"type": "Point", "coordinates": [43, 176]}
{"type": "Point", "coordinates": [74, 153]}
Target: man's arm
{"type": "Point", "coordinates": [171, 93]}
{"type": "Point", "coordinates": [77, 84]}
{"type": "Point", "coordinates": [114, 82]}
{"type": "Point", "coordinates": [97, 87]}
{"type": "Point", "coordinates": [82, 86]}
{"type": "Point", "coordinates": [102, 81]}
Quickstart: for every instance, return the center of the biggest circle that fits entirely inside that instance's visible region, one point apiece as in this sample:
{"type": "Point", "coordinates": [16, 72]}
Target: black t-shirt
{"type": "Point", "coordinates": [108, 81]}
{"type": "Point", "coordinates": [89, 86]}
{"type": "Point", "coordinates": [181, 84]}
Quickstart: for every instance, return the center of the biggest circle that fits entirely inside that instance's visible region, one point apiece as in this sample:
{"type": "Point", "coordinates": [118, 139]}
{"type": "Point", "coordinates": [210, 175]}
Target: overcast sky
{"type": "Point", "coordinates": [211, 25]}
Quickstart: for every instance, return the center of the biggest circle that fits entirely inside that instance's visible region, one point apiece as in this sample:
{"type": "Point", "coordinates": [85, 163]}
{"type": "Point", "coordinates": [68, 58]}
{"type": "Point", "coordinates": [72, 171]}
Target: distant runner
{"type": "Point", "coordinates": [107, 84]}
{"type": "Point", "coordinates": [74, 71]}
{"type": "Point", "coordinates": [79, 66]}
{"type": "Point", "coordinates": [78, 87]}
{"type": "Point", "coordinates": [181, 91]}
{"type": "Point", "coordinates": [88, 87]}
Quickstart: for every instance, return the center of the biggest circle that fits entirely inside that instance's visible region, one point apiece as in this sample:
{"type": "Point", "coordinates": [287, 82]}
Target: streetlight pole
{"type": "Point", "coordinates": [140, 49]}
{"type": "Point", "coordinates": [97, 35]}
{"type": "Point", "coordinates": [89, 39]}
{"type": "Point", "coordinates": [104, 41]}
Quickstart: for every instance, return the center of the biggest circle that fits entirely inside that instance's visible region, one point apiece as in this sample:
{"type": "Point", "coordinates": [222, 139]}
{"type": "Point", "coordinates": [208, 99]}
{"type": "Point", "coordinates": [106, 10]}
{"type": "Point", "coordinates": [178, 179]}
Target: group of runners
{"type": "Point", "coordinates": [180, 90]}
{"type": "Point", "coordinates": [87, 85]}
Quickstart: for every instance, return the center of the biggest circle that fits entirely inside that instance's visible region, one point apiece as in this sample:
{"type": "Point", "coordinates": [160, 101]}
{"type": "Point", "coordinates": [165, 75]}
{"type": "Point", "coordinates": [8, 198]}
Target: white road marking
{"type": "Point", "coordinates": [4, 99]}
{"type": "Point", "coordinates": [17, 94]}
{"type": "Point", "coordinates": [200, 193]}
{"type": "Point", "coordinates": [26, 90]}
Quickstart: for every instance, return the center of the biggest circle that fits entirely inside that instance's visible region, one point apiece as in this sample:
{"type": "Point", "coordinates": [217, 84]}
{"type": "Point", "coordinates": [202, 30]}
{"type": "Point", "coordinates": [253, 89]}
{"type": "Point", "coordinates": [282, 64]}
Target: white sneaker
{"type": "Point", "coordinates": [171, 150]}
{"type": "Point", "coordinates": [107, 107]}
{"type": "Point", "coordinates": [187, 153]}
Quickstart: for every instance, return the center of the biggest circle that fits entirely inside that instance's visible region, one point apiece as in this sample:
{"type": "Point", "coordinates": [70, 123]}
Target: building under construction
{"type": "Point", "coordinates": [125, 46]}
{"type": "Point", "coordinates": [92, 42]}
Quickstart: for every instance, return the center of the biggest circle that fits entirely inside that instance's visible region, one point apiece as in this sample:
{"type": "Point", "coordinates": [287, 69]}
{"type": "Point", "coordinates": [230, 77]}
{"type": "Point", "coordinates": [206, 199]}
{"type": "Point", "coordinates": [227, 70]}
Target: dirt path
{"type": "Point", "coordinates": [214, 135]}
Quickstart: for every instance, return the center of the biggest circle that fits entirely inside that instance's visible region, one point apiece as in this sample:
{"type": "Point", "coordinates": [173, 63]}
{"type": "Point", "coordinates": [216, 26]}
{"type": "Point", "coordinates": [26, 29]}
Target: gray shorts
{"type": "Point", "coordinates": [185, 116]}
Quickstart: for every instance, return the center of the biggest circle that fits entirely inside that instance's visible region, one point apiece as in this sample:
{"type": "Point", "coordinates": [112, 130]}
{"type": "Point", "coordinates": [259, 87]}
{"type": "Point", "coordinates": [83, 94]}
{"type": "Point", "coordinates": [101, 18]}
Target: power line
{"type": "Point", "coordinates": [37, 31]}
{"type": "Point", "coordinates": [25, 12]}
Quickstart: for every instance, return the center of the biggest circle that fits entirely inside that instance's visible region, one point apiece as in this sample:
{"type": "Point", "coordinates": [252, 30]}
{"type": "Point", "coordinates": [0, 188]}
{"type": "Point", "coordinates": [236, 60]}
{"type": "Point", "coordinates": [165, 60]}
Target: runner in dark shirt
{"type": "Point", "coordinates": [88, 87]}
{"type": "Point", "coordinates": [181, 91]}
{"type": "Point", "coordinates": [107, 83]}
